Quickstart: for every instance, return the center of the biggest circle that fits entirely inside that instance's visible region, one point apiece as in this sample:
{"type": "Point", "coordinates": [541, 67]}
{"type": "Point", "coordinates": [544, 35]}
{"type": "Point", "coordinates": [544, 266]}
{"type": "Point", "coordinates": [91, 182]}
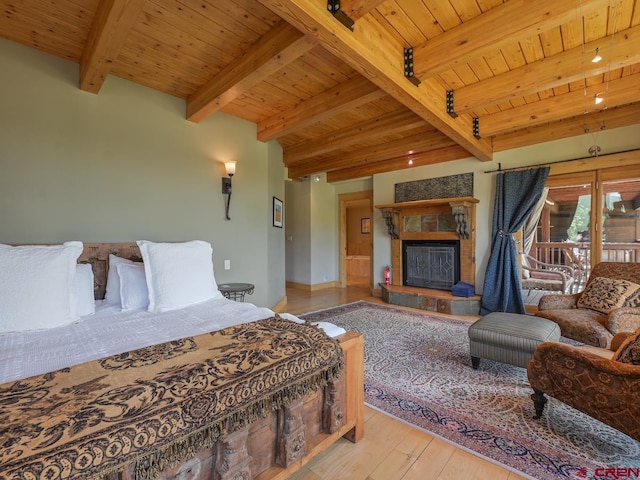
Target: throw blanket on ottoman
{"type": "Point", "coordinates": [158, 405]}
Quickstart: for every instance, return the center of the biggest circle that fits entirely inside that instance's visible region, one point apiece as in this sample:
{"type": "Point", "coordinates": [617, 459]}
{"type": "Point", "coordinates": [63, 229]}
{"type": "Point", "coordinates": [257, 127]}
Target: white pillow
{"type": "Point", "coordinates": [134, 293]}
{"type": "Point", "coordinates": [36, 286]}
{"type": "Point", "coordinates": [112, 293]}
{"type": "Point", "coordinates": [178, 274]}
{"type": "Point", "coordinates": [83, 285]}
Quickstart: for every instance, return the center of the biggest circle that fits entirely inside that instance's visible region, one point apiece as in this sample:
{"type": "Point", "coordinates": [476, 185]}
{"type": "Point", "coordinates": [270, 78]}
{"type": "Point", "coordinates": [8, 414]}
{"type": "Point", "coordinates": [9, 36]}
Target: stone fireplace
{"type": "Point", "coordinates": [432, 248]}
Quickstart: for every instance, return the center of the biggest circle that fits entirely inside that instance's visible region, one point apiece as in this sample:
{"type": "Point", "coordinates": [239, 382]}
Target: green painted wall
{"type": "Point", "coordinates": [125, 165]}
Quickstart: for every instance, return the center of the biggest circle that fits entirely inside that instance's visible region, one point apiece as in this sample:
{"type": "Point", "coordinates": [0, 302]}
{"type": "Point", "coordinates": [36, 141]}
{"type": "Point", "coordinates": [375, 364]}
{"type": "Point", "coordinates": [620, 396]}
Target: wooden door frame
{"type": "Point", "coordinates": [344, 200]}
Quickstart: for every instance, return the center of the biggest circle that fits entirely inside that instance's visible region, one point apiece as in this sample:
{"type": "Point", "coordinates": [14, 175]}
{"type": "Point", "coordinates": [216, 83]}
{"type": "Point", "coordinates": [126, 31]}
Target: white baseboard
{"type": "Point", "coordinates": [314, 287]}
{"type": "Point", "coordinates": [280, 306]}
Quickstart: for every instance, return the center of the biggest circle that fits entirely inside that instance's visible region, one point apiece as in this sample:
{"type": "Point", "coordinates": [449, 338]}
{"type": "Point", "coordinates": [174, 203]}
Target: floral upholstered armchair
{"type": "Point", "coordinates": [609, 304]}
{"type": "Point", "coordinates": [604, 388]}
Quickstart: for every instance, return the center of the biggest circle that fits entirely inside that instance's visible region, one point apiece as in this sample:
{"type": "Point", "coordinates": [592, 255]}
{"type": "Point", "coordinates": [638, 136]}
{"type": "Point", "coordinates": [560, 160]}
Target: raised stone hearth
{"type": "Point", "coordinates": [430, 299]}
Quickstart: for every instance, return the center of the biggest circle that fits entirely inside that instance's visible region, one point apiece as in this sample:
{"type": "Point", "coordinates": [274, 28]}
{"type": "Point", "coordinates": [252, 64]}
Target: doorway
{"type": "Point", "coordinates": [356, 238]}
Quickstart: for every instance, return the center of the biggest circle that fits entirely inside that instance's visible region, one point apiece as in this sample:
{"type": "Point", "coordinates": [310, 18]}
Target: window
{"type": "Point", "coordinates": [590, 217]}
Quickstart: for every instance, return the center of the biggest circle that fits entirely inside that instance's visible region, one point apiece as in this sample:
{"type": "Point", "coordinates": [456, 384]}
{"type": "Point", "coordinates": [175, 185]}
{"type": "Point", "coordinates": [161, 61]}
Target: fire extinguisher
{"type": "Point", "coordinates": [387, 275]}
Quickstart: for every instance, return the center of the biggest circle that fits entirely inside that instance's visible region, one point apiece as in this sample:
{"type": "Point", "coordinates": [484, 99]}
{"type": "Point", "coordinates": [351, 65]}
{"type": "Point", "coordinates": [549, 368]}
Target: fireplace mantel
{"type": "Point", "coordinates": [439, 219]}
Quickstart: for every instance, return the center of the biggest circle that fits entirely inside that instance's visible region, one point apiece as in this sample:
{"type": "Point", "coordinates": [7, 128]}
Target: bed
{"type": "Point", "coordinates": [217, 389]}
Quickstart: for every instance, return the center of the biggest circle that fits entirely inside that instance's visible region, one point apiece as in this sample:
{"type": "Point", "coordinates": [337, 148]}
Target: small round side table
{"type": "Point", "coordinates": [236, 291]}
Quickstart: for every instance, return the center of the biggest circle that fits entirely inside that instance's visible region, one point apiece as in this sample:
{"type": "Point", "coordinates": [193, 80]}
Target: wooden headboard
{"type": "Point", "coordinates": [97, 254]}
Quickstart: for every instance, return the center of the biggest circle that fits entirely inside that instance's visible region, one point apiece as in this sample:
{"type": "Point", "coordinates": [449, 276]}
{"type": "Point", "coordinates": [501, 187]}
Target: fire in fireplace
{"type": "Point", "coordinates": [431, 263]}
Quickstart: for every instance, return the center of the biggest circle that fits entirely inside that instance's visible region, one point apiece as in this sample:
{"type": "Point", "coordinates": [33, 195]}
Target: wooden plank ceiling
{"type": "Point", "coordinates": [336, 98]}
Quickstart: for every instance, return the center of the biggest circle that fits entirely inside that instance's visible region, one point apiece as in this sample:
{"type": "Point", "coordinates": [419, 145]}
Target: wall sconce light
{"type": "Point", "coordinates": [230, 168]}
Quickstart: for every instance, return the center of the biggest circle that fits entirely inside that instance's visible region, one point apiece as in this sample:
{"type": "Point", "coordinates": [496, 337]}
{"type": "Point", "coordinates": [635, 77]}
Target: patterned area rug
{"type": "Point", "coordinates": [417, 368]}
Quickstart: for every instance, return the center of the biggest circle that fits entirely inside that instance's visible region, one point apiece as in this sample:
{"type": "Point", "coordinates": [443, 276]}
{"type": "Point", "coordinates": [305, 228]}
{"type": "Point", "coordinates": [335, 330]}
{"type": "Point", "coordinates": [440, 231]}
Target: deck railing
{"type": "Point", "coordinates": [578, 255]}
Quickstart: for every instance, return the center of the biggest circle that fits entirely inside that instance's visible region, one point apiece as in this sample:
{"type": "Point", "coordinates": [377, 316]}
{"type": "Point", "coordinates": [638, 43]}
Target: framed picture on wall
{"type": "Point", "coordinates": [278, 213]}
{"type": "Point", "coordinates": [365, 225]}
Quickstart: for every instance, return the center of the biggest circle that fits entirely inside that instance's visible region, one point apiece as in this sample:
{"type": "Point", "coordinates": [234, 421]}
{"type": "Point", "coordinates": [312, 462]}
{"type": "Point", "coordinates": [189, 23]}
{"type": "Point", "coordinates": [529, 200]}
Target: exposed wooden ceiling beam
{"type": "Point", "coordinates": [405, 147]}
{"type": "Point", "coordinates": [454, 152]}
{"type": "Point", "coordinates": [619, 92]}
{"type": "Point", "coordinates": [566, 67]}
{"type": "Point", "coordinates": [350, 94]}
{"type": "Point", "coordinates": [277, 48]}
{"type": "Point", "coordinates": [571, 127]}
{"type": "Point", "coordinates": [497, 27]}
{"type": "Point", "coordinates": [348, 11]}
{"type": "Point", "coordinates": [113, 21]}
{"type": "Point", "coordinates": [374, 53]}
{"type": "Point", "coordinates": [392, 123]}
{"type": "Point", "coordinates": [356, 9]}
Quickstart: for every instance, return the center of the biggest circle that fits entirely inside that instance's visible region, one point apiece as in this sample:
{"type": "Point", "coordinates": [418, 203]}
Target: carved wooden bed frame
{"type": "Point", "coordinates": [278, 445]}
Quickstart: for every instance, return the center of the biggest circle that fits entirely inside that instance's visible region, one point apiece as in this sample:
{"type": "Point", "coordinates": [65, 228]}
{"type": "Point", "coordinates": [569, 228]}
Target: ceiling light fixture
{"type": "Point", "coordinates": [410, 162]}
{"type": "Point", "coordinates": [600, 99]}
{"type": "Point", "coordinates": [594, 150]}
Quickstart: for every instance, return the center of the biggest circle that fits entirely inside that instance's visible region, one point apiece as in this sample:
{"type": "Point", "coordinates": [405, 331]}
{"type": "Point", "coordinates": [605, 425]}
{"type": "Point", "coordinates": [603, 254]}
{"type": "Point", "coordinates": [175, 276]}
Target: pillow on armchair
{"type": "Point", "coordinates": [606, 294]}
{"type": "Point", "coordinates": [618, 283]}
{"type": "Point", "coordinates": [629, 351]}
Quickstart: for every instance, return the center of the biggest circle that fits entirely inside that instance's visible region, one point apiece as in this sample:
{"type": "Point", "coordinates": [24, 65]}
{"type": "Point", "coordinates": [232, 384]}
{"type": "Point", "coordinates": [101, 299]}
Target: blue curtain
{"type": "Point", "coordinates": [517, 193]}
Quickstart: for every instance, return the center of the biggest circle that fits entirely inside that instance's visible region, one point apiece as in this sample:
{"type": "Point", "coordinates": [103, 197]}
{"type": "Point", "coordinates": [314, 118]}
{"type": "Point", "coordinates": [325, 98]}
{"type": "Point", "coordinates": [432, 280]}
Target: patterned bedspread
{"type": "Point", "coordinates": [158, 405]}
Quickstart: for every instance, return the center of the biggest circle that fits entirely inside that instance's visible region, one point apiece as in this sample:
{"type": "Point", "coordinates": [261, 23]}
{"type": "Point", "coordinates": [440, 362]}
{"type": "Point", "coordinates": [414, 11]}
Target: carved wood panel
{"type": "Point", "coordinates": [97, 254]}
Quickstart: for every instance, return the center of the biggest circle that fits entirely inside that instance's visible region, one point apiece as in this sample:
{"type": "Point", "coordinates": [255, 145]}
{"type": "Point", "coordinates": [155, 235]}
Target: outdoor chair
{"type": "Point", "coordinates": [537, 275]}
{"type": "Point", "coordinates": [608, 305]}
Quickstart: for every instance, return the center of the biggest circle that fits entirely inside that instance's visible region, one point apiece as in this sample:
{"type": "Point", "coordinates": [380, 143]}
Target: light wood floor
{"type": "Point", "coordinates": [390, 449]}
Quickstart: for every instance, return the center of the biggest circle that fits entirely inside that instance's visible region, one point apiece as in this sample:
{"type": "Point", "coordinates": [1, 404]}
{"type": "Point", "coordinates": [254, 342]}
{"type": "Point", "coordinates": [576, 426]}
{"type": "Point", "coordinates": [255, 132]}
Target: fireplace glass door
{"type": "Point", "coordinates": [431, 264]}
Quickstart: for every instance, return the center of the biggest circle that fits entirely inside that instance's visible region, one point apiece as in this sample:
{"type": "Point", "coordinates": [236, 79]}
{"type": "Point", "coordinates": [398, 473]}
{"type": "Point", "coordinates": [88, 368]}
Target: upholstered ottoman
{"type": "Point", "coordinates": [509, 337]}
